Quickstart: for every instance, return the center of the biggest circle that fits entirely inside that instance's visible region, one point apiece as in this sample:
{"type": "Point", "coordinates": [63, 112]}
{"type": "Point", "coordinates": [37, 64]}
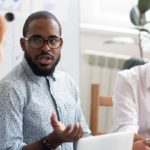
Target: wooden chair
{"type": "Point", "coordinates": [96, 102]}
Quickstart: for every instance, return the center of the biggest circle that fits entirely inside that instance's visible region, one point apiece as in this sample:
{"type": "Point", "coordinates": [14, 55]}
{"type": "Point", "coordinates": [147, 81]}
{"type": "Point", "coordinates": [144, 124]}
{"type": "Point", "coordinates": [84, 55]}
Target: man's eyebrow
{"type": "Point", "coordinates": [53, 36]}
{"type": "Point", "coordinates": [36, 35]}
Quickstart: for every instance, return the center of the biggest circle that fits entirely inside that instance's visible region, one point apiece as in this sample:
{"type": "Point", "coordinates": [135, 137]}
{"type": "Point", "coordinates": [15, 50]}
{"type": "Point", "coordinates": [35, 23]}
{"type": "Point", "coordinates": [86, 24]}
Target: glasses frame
{"type": "Point", "coordinates": [44, 41]}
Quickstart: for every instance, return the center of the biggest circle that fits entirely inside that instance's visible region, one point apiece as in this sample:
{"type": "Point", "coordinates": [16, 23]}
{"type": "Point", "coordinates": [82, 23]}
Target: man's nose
{"type": "Point", "coordinates": [46, 46]}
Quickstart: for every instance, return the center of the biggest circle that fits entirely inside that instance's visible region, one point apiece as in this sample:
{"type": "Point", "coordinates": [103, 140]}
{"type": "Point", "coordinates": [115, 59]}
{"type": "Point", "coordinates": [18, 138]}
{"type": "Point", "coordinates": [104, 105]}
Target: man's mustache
{"type": "Point", "coordinates": [45, 54]}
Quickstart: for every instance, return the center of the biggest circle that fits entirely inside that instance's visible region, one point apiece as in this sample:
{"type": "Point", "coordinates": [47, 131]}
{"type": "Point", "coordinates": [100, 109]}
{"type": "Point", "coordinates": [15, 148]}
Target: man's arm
{"type": "Point", "coordinates": [125, 112]}
{"type": "Point", "coordinates": [61, 134]}
{"type": "Point", "coordinates": [125, 115]}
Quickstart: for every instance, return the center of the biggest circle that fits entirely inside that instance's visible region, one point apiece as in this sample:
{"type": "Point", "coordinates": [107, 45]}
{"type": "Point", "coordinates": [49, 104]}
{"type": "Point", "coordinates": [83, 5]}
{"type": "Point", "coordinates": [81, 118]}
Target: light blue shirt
{"type": "Point", "coordinates": [26, 104]}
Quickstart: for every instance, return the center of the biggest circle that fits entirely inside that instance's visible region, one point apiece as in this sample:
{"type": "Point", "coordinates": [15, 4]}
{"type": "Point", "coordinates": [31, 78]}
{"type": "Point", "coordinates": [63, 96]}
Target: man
{"type": "Point", "coordinates": [131, 102]}
{"type": "Point", "coordinates": [34, 90]}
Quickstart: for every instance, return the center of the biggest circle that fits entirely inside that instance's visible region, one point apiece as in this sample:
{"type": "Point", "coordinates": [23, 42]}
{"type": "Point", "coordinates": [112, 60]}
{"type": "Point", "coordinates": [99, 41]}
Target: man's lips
{"type": "Point", "coordinates": [45, 59]}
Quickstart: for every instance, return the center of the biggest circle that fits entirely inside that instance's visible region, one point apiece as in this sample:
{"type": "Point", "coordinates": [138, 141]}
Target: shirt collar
{"type": "Point", "coordinates": [33, 76]}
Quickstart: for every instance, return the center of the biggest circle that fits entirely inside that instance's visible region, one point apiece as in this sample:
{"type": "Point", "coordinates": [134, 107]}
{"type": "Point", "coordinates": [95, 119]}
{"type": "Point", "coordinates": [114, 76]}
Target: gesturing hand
{"type": "Point", "coordinates": [64, 133]}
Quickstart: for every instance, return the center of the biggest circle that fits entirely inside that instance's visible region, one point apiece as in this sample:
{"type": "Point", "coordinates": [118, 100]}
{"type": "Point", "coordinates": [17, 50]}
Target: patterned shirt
{"type": "Point", "coordinates": [26, 104]}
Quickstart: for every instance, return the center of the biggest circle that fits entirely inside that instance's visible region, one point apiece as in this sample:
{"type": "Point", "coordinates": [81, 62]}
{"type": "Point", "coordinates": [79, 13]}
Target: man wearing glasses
{"type": "Point", "coordinates": [39, 105]}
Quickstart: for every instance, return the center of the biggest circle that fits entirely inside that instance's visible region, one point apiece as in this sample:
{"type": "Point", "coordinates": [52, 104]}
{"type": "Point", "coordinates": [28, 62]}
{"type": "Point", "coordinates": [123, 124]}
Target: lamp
{"type": "Point", "coordinates": [138, 18]}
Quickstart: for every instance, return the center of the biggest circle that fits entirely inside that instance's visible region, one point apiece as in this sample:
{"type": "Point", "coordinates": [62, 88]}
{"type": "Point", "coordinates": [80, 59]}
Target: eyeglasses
{"type": "Point", "coordinates": [38, 42]}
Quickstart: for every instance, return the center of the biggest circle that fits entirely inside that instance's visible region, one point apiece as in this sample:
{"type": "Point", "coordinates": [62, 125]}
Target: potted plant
{"type": "Point", "coordinates": [138, 18]}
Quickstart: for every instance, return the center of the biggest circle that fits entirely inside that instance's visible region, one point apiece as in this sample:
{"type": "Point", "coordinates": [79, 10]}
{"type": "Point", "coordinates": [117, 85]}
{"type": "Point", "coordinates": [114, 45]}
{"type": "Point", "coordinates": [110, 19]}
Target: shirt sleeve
{"type": "Point", "coordinates": [125, 112]}
{"type": "Point", "coordinates": [11, 118]}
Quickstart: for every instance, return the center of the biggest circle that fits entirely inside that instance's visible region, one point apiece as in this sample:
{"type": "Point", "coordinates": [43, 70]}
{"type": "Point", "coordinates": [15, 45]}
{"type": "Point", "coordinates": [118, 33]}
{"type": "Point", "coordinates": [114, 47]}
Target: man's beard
{"type": "Point", "coordinates": [39, 71]}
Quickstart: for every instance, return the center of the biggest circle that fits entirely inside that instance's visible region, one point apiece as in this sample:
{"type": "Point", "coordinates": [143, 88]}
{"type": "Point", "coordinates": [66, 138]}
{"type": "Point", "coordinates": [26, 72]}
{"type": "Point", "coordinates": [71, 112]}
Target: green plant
{"type": "Point", "coordinates": [138, 18]}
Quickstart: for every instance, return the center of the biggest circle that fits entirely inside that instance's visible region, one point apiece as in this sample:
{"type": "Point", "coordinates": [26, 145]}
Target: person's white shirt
{"type": "Point", "coordinates": [131, 101]}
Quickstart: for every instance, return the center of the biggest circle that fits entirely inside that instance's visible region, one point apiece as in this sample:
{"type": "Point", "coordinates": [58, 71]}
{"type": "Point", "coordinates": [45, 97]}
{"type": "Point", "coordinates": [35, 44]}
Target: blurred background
{"type": "Point", "coordinates": [99, 37]}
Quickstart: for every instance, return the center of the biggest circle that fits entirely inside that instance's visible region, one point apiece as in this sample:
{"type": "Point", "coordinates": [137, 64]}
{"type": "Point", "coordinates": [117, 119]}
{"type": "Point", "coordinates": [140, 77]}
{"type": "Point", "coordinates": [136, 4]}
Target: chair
{"type": "Point", "coordinates": [96, 102]}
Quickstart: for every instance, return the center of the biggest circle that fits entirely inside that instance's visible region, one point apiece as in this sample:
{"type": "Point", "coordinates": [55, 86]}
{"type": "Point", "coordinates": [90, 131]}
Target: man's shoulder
{"type": "Point", "coordinates": [14, 76]}
{"type": "Point", "coordinates": [136, 75]}
{"type": "Point", "coordinates": [135, 71]}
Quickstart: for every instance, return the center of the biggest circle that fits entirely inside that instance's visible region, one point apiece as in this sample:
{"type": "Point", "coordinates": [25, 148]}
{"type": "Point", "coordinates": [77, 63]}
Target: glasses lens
{"type": "Point", "coordinates": [54, 42]}
{"type": "Point", "coordinates": [36, 42]}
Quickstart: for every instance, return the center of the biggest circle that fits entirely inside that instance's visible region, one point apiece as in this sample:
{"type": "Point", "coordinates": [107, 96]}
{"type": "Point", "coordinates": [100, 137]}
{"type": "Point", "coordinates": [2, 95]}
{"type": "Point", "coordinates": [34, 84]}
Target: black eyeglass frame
{"type": "Point", "coordinates": [44, 41]}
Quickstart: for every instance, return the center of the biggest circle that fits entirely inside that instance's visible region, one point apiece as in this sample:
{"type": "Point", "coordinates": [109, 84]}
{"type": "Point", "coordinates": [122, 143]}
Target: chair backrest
{"type": "Point", "coordinates": [96, 102]}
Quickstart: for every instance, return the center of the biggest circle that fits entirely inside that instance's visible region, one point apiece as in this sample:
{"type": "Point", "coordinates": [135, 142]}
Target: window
{"type": "Point", "coordinates": [107, 12]}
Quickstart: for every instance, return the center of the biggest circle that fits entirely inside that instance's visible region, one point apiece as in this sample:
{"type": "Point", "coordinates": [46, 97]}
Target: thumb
{"type": "Point", "coordinates": [54, 120]}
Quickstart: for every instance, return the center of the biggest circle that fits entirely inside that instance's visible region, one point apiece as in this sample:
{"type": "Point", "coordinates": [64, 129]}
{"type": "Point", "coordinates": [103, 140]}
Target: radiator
{"type": "Point", "coordinates": [103, 68]}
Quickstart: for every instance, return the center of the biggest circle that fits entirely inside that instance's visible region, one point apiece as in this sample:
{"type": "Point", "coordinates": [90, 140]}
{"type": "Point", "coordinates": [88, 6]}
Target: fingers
{"type": "Point", "coordinates": [73, 133]}
{"type": "Point", "coordinates": [77, 131]}
{"type": "Point", "coordinates": [147, 141]}
{"type": "Point", "coordinates": [140, 145]}
{"type": "Point", "coordinates": [55, 122]}
{"type": "Point", "coordinates": [66, 134]}
{"type": "Point", "coordinates": [54, 119]}
{"type": "Point", "coordinates": [68, 129]}
{"type": "Point", "coordinates": [147, 148]}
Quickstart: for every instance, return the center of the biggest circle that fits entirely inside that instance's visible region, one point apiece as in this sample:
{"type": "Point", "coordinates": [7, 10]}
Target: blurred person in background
{"type": "Point", "coordinates": [7, 17]}
{"type": "Point", "coordinates": [2, 35]}
{"type": "Point", "coordinates": [131, 104]}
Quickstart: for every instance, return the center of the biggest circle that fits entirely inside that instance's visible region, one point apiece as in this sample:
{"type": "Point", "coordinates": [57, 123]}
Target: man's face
{"type": "Point", "coordinates": [42, 46]}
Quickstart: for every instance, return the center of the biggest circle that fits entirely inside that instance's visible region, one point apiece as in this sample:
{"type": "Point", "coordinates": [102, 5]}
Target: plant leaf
{"type": "Point", "coordinates": [143, 5]}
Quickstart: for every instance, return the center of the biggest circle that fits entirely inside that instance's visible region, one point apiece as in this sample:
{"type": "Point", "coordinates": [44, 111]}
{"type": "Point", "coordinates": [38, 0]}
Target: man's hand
{"type": "Point", "coordinates": [140, 145]}
{"type": "Point", "coordinates": [64, 133]}
{"type": "Point", "coordinates": [60, 135]}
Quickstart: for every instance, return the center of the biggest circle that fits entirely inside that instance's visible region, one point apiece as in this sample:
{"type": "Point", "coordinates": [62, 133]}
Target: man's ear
{"type": "Point", "coordinates": [61, 44]}
{"type": "Point", "coordinates": [22, 44]}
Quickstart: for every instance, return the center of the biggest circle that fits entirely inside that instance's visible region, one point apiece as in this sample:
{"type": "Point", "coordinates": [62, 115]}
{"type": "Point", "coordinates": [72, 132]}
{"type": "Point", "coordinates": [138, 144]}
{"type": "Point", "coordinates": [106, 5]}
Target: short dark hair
{"type": "Point", "coordinates": [38, 15]}
{"type": "Point", "coordinates": [132, 62]}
